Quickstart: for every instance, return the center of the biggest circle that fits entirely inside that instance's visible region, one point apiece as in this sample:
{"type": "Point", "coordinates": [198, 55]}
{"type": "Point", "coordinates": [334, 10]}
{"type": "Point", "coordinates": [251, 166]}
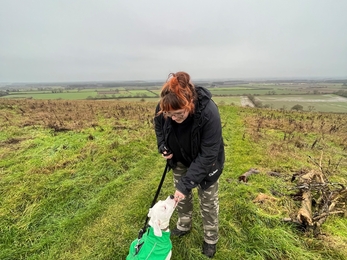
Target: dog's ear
{"type": "Point", "coordinates": [156, 227]}
{"type": "Point", "coordinates": [154, 222]}
{"type": "Point", "coordinates": [150, 212]}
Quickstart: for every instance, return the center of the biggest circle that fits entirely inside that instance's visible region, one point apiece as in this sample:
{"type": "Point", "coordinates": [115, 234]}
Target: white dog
{"type": "Point", "coordinates": [155, 243]}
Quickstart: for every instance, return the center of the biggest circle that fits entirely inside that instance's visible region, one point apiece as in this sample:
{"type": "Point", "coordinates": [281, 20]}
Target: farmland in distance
{"type": "Point", "coordinates": [305, 95]}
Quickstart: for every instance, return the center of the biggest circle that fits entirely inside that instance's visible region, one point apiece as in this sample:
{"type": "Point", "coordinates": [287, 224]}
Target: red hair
{"type": "Point", "coordinates": [177, 93]}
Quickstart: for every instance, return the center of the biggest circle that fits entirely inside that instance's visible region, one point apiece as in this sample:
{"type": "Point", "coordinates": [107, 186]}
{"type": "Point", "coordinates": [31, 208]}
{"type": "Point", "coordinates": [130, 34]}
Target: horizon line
{"type": "Point", "coordinates": [157, 80]}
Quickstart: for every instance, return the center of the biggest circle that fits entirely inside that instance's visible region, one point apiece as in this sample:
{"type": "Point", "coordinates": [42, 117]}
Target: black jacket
{"type": "Point", "coordinates": [207, 147]}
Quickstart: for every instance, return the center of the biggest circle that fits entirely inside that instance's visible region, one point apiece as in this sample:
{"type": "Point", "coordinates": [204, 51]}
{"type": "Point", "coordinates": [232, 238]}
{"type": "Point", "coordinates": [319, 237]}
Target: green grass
{"type": "Point", "coordinates": [64, 195]}
{"type": "Point", "coordinates": [58, 184]}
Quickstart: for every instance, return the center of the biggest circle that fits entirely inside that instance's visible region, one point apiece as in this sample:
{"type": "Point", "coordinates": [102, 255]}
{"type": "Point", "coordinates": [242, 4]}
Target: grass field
{"type": "Point", "coordinates": [77, 178]}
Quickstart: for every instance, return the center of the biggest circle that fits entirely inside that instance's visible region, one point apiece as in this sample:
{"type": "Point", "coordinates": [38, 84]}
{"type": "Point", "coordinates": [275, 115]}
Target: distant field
{"type": "Point", "coordinates": [250, 91]}
{"type": "Point", "coordinates": [321, 103]}
{"type": "Point", "coordinates": [275, 89]}
{"type": "Point", "coordinates": [235, 100]}
{"type": "Point", "coordinates": [312, 96]}
{"type": "Point", "coordinates": [83, 94]}
{"type": "Point", "coordinates": [64, 95]}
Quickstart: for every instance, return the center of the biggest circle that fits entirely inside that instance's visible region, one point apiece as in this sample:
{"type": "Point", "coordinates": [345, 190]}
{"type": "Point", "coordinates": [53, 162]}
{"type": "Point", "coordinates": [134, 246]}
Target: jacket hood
{"type": "Point", "coordinates": [204, 95]}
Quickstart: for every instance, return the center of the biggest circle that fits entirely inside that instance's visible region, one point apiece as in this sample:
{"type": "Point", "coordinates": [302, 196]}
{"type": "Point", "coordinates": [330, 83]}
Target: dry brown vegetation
{"type": "Point", "coordinates": [62, 115]}
{"type": "Point", "coordinates": [319, 184]}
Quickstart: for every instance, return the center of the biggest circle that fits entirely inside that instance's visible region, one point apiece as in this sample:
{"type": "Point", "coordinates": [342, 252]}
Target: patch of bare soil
{"type": "Point", "coordinates": [245, 102]}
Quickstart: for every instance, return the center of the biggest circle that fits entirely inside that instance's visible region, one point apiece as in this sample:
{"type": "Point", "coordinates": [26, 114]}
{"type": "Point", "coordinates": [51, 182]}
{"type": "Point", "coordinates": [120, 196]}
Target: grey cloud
{"type": "Point", "coordinates": [127, 40]}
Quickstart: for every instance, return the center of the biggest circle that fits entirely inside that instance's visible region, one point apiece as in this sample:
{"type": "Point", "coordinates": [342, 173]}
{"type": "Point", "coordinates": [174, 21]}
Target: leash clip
{"type": "Point", "coordinates": [138, 244]}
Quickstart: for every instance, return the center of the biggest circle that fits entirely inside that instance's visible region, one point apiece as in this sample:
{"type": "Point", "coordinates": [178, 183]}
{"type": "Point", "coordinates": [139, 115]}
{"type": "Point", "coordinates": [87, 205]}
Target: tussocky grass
{"type": "Point", "coordinates": [85, 193]}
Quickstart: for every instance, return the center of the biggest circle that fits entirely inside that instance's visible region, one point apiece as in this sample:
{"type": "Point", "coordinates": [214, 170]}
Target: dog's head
{"type": "Point", "coordinates": [160, 214]}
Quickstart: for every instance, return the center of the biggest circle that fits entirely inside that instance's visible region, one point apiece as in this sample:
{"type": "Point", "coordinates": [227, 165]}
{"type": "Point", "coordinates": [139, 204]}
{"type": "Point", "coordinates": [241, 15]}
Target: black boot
{"type": "Point", "coordinates": [178, 233]}
{"type": "Point", "coordinates": [208, 249]}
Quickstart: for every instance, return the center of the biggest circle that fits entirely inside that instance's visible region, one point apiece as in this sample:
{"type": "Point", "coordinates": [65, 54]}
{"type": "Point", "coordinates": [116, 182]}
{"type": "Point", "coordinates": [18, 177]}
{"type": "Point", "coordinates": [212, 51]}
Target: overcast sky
{"type": "Point", "coordinates": [106, 40]}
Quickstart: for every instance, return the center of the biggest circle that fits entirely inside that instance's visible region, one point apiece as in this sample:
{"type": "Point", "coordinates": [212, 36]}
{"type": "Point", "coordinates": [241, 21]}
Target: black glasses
{"type": "Point", "coordinates": [177, 114]}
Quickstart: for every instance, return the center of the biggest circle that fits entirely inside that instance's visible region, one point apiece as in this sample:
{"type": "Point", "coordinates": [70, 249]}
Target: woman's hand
{"type": "Point", "coordinates": [167, 157]}
{"type": "Point", "coordinates": [178, 196]}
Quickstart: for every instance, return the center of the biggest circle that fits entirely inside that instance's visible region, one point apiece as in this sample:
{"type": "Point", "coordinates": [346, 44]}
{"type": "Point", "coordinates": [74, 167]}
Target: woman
{"type": "Point", "coordinates": [189, 135]}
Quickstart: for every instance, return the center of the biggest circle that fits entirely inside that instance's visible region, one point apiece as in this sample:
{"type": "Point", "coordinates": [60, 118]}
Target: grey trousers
{"type": "Point", "coordinates": [209, 208]}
